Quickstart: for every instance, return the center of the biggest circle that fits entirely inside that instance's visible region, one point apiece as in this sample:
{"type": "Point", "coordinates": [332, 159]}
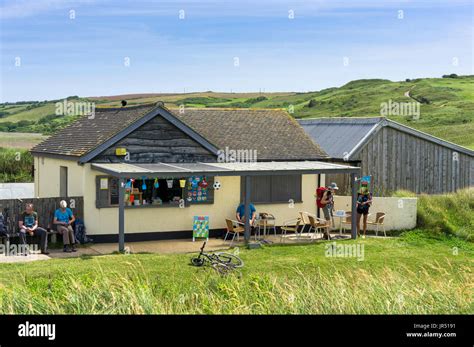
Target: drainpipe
{"type": "Point", "coordinates": [121, 215]}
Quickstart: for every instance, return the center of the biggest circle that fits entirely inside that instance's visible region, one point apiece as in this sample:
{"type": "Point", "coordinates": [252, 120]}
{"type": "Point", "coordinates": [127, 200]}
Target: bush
{"type": "Point", "coordinates": [453, 75]}
{"type": "Point", "coordinates": [312, 103]}
{"type": "Point", "coordinates": [449, 214]}
{"type": "Point", "coordinates": [15, 165]}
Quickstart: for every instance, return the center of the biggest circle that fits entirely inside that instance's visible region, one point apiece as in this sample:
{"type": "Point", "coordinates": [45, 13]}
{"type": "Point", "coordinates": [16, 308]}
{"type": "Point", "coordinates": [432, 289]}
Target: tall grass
{"type": "Point", "coordinates": [451, 214]}
{"type": "Point", "coordinates": [397, 276]}
{"type": "Point", "coordinates": [15, 165]}
{"type": "Point", "coordinates": [404, 291]}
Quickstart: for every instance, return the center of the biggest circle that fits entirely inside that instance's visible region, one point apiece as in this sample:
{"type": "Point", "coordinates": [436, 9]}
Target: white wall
{"type": "Point", "coordinates": [400, 212]}
{"type": "Point", "coordinates": [47, 177]}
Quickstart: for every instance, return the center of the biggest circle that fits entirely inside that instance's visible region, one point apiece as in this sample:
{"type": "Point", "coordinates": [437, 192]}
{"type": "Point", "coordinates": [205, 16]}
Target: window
{"type": "Point", "coordinates": [273, 189]}
{"type": "Point", "coordinates": [154, 191]}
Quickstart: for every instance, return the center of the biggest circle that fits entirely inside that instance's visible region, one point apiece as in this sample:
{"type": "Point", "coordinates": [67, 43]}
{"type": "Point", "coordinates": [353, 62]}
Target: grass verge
{"type": "Point", "coordinates": [413, 274]}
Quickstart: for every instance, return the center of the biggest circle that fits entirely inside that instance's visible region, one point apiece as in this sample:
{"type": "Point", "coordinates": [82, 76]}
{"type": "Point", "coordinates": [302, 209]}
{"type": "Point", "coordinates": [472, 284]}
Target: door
{"type": "Point", "coordinates": [63, 181]}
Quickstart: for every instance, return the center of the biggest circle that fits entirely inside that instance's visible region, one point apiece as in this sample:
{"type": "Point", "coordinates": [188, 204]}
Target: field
{"type": "Point", "coordinates": [446, 109]}
{"type": "Point", "coordinates": [20, 140]}
{"type": "Point", "coordinates": [422, 271]}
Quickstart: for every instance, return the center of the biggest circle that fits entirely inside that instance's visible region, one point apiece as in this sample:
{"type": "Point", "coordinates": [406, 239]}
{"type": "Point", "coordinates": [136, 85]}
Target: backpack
{"type": "Point", "coordinates": [319, 196]}
{"type": "Point", "coordinates": [3, 227]}
{"type": "Point", "coordinates": [80, 232]}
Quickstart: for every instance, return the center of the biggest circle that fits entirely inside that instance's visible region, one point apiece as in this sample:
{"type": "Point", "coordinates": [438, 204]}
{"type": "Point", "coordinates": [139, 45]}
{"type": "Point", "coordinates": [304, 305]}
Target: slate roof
{"type": "Point", "coordinates": [338, 136]}
{"type": "Point", "coordinates": [85, 134]}
{"type": "Point", "coordinates": [273, 133]}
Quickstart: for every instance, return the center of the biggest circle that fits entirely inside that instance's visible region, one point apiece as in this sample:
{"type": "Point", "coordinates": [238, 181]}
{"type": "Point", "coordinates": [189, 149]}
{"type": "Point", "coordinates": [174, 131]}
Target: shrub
{"type": "Point", "coordinates": [15, 165]}
{"type": "Point", "coordinates": [453, 75]}
{"type": "Point", "coordinates": [449, 214]}
{"type": "Point", "coordinates": [312, 103]}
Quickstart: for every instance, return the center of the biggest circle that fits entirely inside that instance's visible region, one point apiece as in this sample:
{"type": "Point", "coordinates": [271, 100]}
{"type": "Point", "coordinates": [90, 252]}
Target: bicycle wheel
{"type": "Point", "coordinates": [222, 269]}
{"type": "Point", "coordinates": [197, 261]}
{"type": "Point", "coordinates": [230, 259]}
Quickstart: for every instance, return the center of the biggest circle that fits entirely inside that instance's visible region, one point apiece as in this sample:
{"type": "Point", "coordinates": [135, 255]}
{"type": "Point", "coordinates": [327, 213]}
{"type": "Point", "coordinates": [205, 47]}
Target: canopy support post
{"type": "Point", "coordinates": [247, 209]}
{"type": "Point", "coordinates": [121, 215]}
{"type": "Point", "coordinates": [353, 206]}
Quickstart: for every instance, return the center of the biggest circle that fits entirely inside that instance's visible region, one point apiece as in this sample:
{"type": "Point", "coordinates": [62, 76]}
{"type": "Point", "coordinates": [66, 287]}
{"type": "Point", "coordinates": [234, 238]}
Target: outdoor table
{"type": "Point", "coordinates": [340, 216]}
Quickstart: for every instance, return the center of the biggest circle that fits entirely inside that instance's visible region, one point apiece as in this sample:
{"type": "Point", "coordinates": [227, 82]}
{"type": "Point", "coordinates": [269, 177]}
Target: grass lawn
{"type": "Point", "coordinates": [415, 273]}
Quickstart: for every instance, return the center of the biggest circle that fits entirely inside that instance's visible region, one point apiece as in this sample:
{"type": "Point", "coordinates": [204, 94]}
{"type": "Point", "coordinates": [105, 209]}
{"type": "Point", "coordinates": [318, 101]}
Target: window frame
{"type": "Point", "coordinates": [270, 178]}
{"type": "Point", "coordinates": [100, 203]}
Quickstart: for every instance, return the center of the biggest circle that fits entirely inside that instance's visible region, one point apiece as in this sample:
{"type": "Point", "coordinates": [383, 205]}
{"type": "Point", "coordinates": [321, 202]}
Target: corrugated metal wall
{"type": "Point", "coordinates": [398, 160]}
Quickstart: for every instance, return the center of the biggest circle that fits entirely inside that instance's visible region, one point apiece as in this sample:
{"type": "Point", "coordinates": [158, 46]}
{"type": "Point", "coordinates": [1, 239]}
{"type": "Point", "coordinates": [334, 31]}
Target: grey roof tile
{"type": "Point", "coordinates": [273, 133]}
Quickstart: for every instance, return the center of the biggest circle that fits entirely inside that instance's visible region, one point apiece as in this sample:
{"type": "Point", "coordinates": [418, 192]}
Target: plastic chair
{"type": "Point", "coordinates": [291, 225]}
{"type": "Point", "coordinates": [379, 223]}
{"type": "Point", "coordinates": [305, 221]}
{"type": "Point", "coordinates": [318, 224]}
{"type": "Point", "coordinates": [235, 228]}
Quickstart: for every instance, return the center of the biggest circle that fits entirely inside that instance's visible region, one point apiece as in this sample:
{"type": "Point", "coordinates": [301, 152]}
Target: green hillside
{"type": "Point", "coordinates": [446, 105]}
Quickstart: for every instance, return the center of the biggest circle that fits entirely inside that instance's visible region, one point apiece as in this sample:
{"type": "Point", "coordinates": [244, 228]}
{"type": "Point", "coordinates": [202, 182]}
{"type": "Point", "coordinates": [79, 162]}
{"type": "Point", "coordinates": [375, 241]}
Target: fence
{"type": "Point", "coordinates": [45, 207]}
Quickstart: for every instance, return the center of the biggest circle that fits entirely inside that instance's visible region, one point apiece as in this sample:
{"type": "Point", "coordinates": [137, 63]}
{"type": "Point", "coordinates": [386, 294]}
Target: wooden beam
{"type": "Point", "coordinates": [247, 208]}
{"type": "Point", "coordinates": [121, 215]}
{"type": "Point", "coordinates": [353, 207]}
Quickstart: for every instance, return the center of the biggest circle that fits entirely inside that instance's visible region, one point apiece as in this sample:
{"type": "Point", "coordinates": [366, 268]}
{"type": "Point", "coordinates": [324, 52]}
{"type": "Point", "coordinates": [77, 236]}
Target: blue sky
{"type": "Point", "coordinates": [86, 55]}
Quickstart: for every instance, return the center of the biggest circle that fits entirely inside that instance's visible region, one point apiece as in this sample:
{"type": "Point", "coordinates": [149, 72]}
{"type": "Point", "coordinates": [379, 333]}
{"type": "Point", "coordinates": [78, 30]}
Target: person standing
{"type": "Point", "coordinates": [327, 205]}
{"type": "Point", "coordinates": [364, 200]}
{"type": "Point", "coordinates": [28, 224]}
{"type": "Point", "coordinates": [63, 218]}
{"type": "Point", "coordinates": [330, 205]}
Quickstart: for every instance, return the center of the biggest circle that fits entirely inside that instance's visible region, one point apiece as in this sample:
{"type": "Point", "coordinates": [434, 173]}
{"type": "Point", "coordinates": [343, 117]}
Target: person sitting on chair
{"type": "Point", "coordinates": [240, 214]}
{"type": "Point", "coordinates": [28, 223]}
{"type": "Point", "coordinates": [63, 218]}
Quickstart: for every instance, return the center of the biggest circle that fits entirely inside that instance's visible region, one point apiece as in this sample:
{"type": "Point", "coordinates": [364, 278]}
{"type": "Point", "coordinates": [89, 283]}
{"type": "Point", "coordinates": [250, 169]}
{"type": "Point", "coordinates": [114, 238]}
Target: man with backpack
{"type": "Point", "coordinates": [3, 226]}
{"type": "Point", "coordinates": [325, 201]}
{"type": "Point", "coordinates": [28, 224]}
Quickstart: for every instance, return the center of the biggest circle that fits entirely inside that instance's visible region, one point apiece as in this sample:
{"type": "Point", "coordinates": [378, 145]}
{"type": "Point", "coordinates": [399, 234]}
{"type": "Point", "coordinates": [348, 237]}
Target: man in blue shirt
{"type": "Point", "coordinates": [240, 213]}
{"type": "Point", "coordinates": [63, 218]}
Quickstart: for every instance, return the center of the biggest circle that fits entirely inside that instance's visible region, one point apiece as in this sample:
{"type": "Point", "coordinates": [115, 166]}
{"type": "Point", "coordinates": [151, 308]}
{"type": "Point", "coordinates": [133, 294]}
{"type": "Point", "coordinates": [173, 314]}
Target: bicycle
{"type": "Point", "coordinates": [222, 262]}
